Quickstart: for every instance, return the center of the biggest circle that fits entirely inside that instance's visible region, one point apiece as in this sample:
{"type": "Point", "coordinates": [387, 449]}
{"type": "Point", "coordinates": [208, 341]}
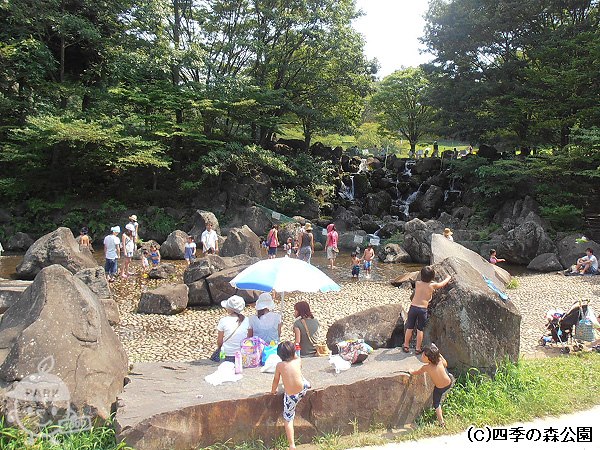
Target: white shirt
{"type": "Point", "coordinates": [111, 242]}
{"type": "Point", "coordinates": [209, 240]}
{"type": "Point", "coordinates": [266, 327]}
{"type": "Point", "coordinates": [594, 261]}
{"type": "Point", "coordinates": [227, 325]}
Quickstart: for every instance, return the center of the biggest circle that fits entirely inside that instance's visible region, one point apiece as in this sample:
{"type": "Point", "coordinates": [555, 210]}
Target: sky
{"type": "Point", "coordinates": [391, 29]}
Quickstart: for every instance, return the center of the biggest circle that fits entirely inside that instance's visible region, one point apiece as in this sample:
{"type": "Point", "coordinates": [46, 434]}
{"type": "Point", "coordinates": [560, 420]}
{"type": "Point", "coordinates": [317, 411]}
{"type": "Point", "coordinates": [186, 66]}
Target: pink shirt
{"type": "Point", "coordinates": [332, 239]}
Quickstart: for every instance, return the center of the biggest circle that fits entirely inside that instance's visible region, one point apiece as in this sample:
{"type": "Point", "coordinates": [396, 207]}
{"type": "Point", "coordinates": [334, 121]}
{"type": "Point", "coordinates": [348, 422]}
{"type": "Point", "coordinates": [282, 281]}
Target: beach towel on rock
{"type": "Point", "coordinates": [495, 288]}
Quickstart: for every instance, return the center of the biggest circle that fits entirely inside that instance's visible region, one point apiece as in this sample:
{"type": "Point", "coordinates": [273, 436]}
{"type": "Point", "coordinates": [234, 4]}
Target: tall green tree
{"type": "Point", "coordinates": [403, 104]}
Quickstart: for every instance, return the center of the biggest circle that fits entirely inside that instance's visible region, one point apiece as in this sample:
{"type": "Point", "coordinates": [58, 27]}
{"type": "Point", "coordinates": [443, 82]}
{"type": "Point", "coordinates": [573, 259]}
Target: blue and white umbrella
{"type": "Point", "coordinates": [283, 275]}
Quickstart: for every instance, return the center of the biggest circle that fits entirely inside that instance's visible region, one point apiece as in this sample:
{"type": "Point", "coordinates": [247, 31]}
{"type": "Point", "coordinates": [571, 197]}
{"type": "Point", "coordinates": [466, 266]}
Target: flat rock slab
{"type": "Point", "coordinates": [169, 405]}
{"type": "Point", "coordinates": [10, 292]}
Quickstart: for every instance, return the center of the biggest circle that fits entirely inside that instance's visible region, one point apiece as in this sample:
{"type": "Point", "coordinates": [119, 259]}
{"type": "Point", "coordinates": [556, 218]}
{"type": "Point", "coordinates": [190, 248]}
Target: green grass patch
{"type": "Point", "coordinates": [513, 283]}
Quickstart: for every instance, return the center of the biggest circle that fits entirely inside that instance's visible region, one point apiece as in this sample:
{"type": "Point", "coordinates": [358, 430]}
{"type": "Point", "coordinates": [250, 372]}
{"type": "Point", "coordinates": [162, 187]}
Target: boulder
{"type": "Point", "coordinates": [199, 220]}
{"type": "Point", "coordinates": [569, 250]}
{"type": "Point", "coordinates": [406, 277]}
{"type": "Point", "coordinates": [519, 211]}
{"type": "Point", "coordinates": [241, 241]}
{"type": "Point", "coordinates": [10, 292]}
{"type": "Point", "coordinates": [442, 248]}
{"type": "Point", "coordinates": [351, 240]}
{"type": "Point", "coordinates": [471, 325]}
{"type": "Point", "coordinates": [521, 244]}
{"type": "Point", "coordinates": [369, 223]}
{"type": "Point", "coordinates": [168, 299]}
{"type": "Point", "coordinates": [220, 289]}
{"type": "Point", "coordinates": [256, 187]}
{"type": "Point", "coordinates": [258, 219]}
{"type": "Point", "coordinates": [203, 267]}
{"type": "Point", "coordinates": [489, 152]}
{"type": "Point", "coordinates": [308, 207]}
{"type": "Point", "coordinates": [393, 253]}
{"type": "Point", "coordinates": [145, 246]}
{"type": "Point", "coordinates": [198, 294]}
{"type": "Point", "coordinates": [430, 202]}
{"type": "Point", "coordinates": [417, 239]}
{"type": "Point", "coordinates": [426, 166]}
{"type": "Point", "coordinates": [361, 185]}
{"type": "Point", "coordinates": [546, 262]}
{"type": "Point", "coordinates": [58, 247]}
{"type": "Point", "coordinates": [391, 228]}
{"type": "Point", "coordinates": [345, 219]}
{"type": "Point", "coordinates": [19, 242]}
{"type": "Point", "coordinates": [174, 246]}
{"type": "Point", "coordinates": [95, 280]}
{"type": "Point", "coordinates": [378, 203]}
{"type": "Point", "coordinates": [162, 272]}
{"type": "Point", "coordinates": [65, 320]}
{"type": "Point", "coordinates": [382, 326]}
{"type": "Point", "coordinates": [288, 230]}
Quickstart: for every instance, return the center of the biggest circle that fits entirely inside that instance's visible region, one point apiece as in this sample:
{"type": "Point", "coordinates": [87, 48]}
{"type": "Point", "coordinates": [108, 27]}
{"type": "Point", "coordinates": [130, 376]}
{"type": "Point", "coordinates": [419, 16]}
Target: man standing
{"type": "Point", "coordinates": [210, 240]}
{"type": "Point", "coordinates": [112, 250]}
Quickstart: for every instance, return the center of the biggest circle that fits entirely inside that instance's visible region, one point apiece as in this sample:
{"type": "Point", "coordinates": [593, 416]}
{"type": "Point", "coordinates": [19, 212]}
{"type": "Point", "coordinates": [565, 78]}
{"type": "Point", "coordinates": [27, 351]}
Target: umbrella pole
{"type": "Point", "coordinates": [282, 305]}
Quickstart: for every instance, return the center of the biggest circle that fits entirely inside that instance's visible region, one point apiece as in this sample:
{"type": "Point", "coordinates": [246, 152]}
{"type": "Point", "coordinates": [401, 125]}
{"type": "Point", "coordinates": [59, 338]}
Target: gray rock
{"type": "Point", "coordinates": [198, 294]}
{"type": "Point", "coordinates": [19, 242]}
{"type": "Point", "coordinates": [220, 289]}
{"type": "Point", "coordinates": [241, 241]}
{"type": "Point", "coordinates": [10, 292]}
{"type": "Point", "coordinates": [145, 247]}
{"type": "Point", "coordinates": [199, 220]}
{"type": "Point", "coordinates": [378, 203]}
{"type": "Point", "coordinates": [521, 244]}
{"type": "Point", "coordinates": [442, 248]}
{"type": "Point", "coordinates": [569, 251]}
{"type": "Point", "coordinates": [309, 208]}
{"type": "Point", "coordinates": [58, 247]}
{"type": "Point", "coordinates": [95, 279]}
{"type": "Point", "coordinates": [382, 326]}
{"type": "Point", "coordinates": [469, 322]}
{"type": "Point", "coordinates": [350, 240]}
{"type": "Point", "coordinates": [169, 299]}
{"type": "Point", "coordinates": [369, 223]}
{"type": "Point", "coordinates": [546, 262]}
{"type": "Point", "coordinates": [162, 272]}
{"type": "Point", "coordinates": [256, 218]}
{"type": "Point", "coordinates": [393, 253]}
{"type": "Point", "coordinates": [431, 201]}
{"type": "Point", "coordinates": [417, 239]}
{"type": "Point", "coordinates": [64, 319]}
{"type": "Point", "coordinates": [391, 228]}
{"type": "Point", "coordinates": [361, 185]}
{"type": "Point", "coordinates": [174, 246]}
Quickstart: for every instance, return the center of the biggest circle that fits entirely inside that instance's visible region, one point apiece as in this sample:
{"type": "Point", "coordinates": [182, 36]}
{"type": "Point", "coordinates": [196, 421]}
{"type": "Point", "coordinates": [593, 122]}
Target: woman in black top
{"type": "Point", "coordinates": [306, 242]}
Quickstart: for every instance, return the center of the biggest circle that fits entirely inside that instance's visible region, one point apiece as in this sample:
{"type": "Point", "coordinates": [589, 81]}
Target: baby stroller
{"type": "Point", "coordinates": [560, 326]}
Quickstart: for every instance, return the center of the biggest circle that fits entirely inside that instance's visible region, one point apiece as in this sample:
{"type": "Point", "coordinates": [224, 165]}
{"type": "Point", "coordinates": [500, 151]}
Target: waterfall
{"type": "Point", "coordinates": [448, 192]}
{"type": "Point", "coordinates": [363, 166]}
{"type": "Point", "coordinates": [404, 205]}
{"type": "Point", "coordinates": [408, 168]}
{"type": "Point", "coordinates": [347, 192]}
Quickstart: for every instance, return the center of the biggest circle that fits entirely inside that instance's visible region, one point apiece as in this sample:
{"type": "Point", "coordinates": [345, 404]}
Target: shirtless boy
{"type": "Point", "coordinates": [417, 314]}
{"type": "Point", "coordinates": [368, 256]}
{"type": "Point", "coordinates": [294, 385]}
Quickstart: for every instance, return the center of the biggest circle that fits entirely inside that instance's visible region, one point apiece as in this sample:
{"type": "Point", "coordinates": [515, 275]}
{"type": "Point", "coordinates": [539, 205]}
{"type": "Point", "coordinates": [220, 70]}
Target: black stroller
{"type": "Point", "coordinates": [560, 326]}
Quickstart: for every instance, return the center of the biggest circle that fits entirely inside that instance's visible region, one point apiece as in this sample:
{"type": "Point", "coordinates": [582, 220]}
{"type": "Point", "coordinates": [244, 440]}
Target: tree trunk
{"type": "Point", "coordinates": [176, 76]}
{"type": "Point", "coordinates": [61, 76]}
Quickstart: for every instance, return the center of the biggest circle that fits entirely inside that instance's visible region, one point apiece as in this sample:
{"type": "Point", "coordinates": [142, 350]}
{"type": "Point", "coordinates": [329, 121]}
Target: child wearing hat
{"type": "Point", "coordinates": [112, 251]}
{"type": "Point", "coordinates": [448, 234]}
{"type": "Point", "coordinates": [233, 328]}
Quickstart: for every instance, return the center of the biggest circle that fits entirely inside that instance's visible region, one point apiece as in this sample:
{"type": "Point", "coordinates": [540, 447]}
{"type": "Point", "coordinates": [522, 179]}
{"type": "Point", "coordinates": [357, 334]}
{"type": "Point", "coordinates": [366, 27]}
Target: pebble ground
{"type": "Point", "coordinates": [191, 335]}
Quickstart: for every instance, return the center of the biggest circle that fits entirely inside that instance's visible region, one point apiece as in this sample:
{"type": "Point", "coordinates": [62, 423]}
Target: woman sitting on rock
{"type": "Point", "coordinates": [266, 324]}
{"type": "Point", "coordinates": [305, 329]}
{"type": "Point", "coordinates": [233, 328]}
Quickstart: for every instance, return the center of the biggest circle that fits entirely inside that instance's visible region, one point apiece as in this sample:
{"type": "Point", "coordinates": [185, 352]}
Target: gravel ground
{"type": "Point", "coordinates": [191, 335]}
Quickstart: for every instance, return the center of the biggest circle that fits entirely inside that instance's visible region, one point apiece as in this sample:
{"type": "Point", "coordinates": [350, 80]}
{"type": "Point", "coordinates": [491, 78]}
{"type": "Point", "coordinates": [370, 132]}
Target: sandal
{"type": "Point", "coordinates": [418, 352]}
{"type": "Point", "coordinates": [405, 349]}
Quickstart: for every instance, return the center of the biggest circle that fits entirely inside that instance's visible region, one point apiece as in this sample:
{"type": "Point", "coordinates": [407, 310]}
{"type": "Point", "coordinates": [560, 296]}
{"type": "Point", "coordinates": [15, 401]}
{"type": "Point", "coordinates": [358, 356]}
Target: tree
{"type": "Point", "coordinates": [402, 102]}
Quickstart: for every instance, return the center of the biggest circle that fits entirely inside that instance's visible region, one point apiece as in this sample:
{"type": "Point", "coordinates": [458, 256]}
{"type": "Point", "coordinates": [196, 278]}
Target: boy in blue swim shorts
{"type": "Point", "coordinates": [289, 370]}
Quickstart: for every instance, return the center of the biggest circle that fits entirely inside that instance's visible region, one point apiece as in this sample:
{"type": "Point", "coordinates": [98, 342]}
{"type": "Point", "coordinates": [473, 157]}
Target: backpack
{"type": "Point", "coordinates": [251, 350]}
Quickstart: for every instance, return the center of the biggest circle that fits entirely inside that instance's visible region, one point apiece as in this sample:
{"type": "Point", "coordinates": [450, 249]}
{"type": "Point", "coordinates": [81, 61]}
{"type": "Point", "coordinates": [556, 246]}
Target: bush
{"type": "Point", "coordinates": [564, 217]}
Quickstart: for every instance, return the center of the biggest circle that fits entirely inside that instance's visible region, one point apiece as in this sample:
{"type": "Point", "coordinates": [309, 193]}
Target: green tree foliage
{"type": "Point", "coordinates": [402, 101]}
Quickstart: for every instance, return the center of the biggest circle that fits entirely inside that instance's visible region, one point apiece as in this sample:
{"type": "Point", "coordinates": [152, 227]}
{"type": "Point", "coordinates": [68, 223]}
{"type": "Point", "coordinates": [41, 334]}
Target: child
{"type": "Point", "coordinates": [417, 313]}
{"type": "Point", "coordinates": [493, 259]}
{"type": "Point", "coordinates": [145, 265]}
{"type": "Point", "coordinates": [355, 265]}
{"type": "Point", "coordinates": [288, 246]}
{"type": "Point", "coordinates": [294, 385]}
{"type": "Point", "coordinates": [368, 256]}
{"type": "Point", "coordinates": [435, 365]}
{"type": "Point", "coordinates": [190, 250]}
{"type": "Point", "coordinates": [154, 255]}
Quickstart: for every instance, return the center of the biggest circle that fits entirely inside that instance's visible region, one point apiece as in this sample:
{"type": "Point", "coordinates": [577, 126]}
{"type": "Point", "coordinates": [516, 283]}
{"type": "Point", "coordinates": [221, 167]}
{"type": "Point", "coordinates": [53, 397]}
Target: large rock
{"type": "Point", "coordinates": [417, 239]}
{"type": "Point", "coordinates": [58, 247]}
{"type": "Point", "coordinates": [19, 242]}
{"type": "Point", "coordinates": [471, 325]}
{"type": "Point", "coordinates": [168, 299]}
{"type": "Point", "coordinates": [198, 294]}
{"type": "Point", "coordinates": [361, 185]}
{"type": "Point", "coordinates": [442, 248]}
{"type": "Point", "coordinates": [241, 241]}
{"type": "Point", "coordinates": [163, 271]}
{"type": "Point", "coordinates": [569, 250]}
{"type": "Point", "coordinates": [182, 411]}
{"type": "Point", "coordinates": [518, 211]}
{"type": "Point", "coordinates": [430, 202]}
{"type": "Point", "coordinates": [378, 203]}
{"type": "Point", "coordinates": [546, 262]}
{"type": "Point", "coordinates": [351, 240]}
{"type": "Point", "coordinates": [199, 220]}
{"type": "Point", "coordinates": [95, 280]}
{"type": "Point", "coordinates": [220, 289]}
{"type": "Point", "coordinates": [63, 318]}
{"type": "Point", "coordinates": [521, 244]}
{"type": "Point", "coordinates": [391, 228]}
{"type": "Point", "coordinates": [393, 253]}
{"type": "Point", "coordinates": [203, 267]}
{"type": "Point", "coordinates": [10, 292]}
{"type": "Point", "coordinates": [256, 218]}
{"type": "Point", "coordinates": [382, 326]}
{"type": "Point", "coordinates": [174, 246]}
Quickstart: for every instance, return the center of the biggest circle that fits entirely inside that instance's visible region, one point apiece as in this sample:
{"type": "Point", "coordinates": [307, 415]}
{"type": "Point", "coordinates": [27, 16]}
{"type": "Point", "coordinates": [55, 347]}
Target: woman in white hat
{"type": "Point", "coordinates": [266, 324]}
{"type": "Point", "coordinates": [133, 226]}
{"type": "Point", "coordinates": [232, 328]}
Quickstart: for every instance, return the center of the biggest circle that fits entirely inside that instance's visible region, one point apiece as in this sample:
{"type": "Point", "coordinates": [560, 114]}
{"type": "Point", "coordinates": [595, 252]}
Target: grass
{"type": "Point", "coordinates": [513, 283]}
{"type": "Point", "coordinates": [97, 438]}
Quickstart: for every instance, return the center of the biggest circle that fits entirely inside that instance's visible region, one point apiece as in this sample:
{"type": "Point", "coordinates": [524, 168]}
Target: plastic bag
{"type": "Point", "coordinates": [355, 351]}
{"type": "Point", "coordinates": [271, 363]}
{"type": "Point", "coordinates": [252, 349]}
{"type": "Point", "coordinates": [339, 363]}
{"type": "Point", "coordinates": [268, 351]}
